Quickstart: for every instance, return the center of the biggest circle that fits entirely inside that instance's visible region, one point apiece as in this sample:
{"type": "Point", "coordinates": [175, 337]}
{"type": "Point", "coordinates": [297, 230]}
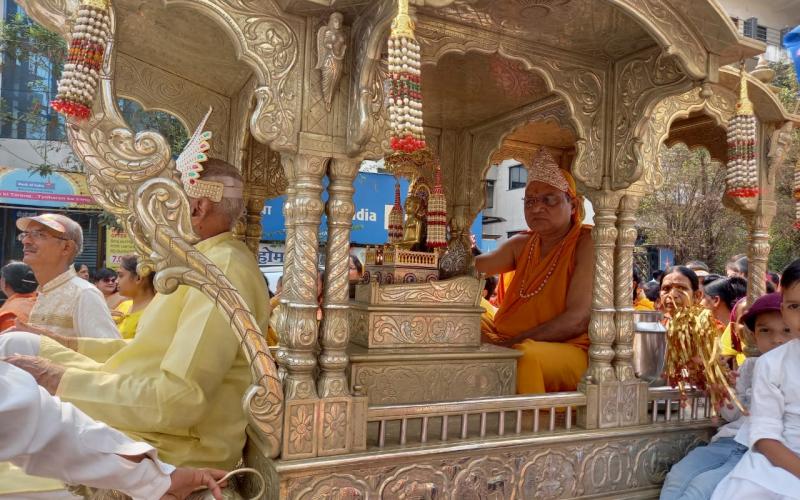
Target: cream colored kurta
{"type": "Point", "coordinates": [178, 384]}
{"type": "Point", "coordinates": [44, 436]}
{"type": "Point", "coordinates": [69, 305]}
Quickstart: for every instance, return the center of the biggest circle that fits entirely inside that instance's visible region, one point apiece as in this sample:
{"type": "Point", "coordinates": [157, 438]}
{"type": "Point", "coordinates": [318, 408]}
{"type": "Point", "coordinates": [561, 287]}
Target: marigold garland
{"type": "Point", "coordinates": [78, 83]}
{"type": "Point", "coordinates": [693, 357]}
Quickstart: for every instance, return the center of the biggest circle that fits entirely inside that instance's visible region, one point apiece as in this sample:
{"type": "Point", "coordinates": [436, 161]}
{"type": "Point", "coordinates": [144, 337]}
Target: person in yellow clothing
{"type": "Point", "coordinates": [178, 385]}
{"type": "Point", "coordinates": [720, 296]}
{"type": "Point", "coordinates": [138, 289]}
{"type": "Point", "coordinates": [640, 300]}
{"type": "Point", "coordinates": [546, 308]}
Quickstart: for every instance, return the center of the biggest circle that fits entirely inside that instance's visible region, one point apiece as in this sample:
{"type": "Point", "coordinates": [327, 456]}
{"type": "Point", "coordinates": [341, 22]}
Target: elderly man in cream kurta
{"type": "Point", "coordinates": [179, 383]}
{"type": "Point", "coordinates": [66, 305]}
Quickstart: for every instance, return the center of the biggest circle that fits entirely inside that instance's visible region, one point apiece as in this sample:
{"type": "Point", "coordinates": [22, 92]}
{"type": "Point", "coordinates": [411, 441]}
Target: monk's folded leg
{"type": "Point", "coordinates": [549, 367]}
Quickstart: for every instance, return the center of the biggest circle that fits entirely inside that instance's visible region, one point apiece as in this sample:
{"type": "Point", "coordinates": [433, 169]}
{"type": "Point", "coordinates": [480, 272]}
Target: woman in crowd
{"type": "Point", "coordinates": [106, 281]}
{"type": "Point", "coordinates": [640, 300]}
{"type": "Point", "coordinates": [680, 287]}
{"type": "Point", "coordinates": [138, 289]}
{"type": "Point", "coordinates": [19, 284]}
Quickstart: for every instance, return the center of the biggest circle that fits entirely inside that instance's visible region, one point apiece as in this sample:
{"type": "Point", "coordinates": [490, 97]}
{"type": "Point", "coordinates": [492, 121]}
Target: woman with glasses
{"type": "Point", "coordinates": [106, 281]}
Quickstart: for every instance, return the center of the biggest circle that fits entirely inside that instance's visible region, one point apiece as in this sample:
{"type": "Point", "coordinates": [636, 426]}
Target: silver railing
{"type": "Point", "coordinates": [665, 405]}
{"type": "Point", "coordinates": [391, 425]}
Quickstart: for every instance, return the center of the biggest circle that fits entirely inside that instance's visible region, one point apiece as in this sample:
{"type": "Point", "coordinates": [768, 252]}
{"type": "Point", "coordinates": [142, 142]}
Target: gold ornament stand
{"type": "Point", "coordinates": [391, 264]}
{"type": "Point", "coordinates": [421, 343]}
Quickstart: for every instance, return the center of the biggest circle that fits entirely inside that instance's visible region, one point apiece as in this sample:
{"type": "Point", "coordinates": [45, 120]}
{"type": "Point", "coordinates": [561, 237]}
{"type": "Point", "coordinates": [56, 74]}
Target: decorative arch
{"type": "Point", "coordinates": [270, 42]}
{"type": "Point", "coordinates": [714, 100]}
{"type": "Point", "coordinates": [487, 140]}
{"type": "Point", "coordinates": [579, 87]}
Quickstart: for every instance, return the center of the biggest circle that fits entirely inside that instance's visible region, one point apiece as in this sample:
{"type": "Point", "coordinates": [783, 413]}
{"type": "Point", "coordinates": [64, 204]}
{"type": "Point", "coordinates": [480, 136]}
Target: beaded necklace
{"type": "Point", "coordinates": [550, 270]}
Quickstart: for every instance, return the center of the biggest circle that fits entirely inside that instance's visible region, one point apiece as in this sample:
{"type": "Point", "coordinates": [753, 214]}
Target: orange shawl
{"type": "Point", "coordinates": [19, 306]}
{"type": "Point", "coordinates": [516, 314]}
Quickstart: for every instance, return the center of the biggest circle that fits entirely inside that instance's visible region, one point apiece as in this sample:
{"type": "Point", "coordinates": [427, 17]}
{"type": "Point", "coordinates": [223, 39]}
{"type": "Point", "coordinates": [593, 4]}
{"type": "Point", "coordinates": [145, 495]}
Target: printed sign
{"type": "Point", "coordinates": [19, 186]}
{"type": "Point", "coordinates": [118, 245]}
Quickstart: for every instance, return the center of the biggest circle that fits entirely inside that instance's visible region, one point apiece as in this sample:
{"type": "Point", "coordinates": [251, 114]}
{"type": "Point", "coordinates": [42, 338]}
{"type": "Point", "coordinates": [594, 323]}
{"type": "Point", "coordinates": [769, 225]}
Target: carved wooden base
{"type": "Point", "coordinates": [396, 376]}
{"type": "Point", "coordinates": [598, 464]}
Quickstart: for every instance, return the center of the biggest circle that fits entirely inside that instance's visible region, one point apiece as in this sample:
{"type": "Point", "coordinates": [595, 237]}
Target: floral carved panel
{"type": "Point", "coordinates": [436, 380]}
{"type": "Point", "coordinates": [612, 466]}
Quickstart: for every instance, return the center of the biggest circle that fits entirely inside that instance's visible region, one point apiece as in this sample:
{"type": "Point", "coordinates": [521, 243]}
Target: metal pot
{"type": "Point", "coordinates": [649, 346]}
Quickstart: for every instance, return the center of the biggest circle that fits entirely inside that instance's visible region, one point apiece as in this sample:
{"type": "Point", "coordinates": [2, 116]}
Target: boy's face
{"type": "Point", "coordinates": [771, 331]}
{"type": "Point", "coordinates": [790, 307]}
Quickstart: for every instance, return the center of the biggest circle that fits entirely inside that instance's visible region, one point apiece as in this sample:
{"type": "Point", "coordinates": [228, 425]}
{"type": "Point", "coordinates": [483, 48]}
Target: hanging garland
{"type": "Point", "coordinates": [741, 178]}
{"type": "Point", "coordinates": [693, 357]}
{"type": "Point", "coordinates": [78, 83]}
{"type": "Point", "coordinates": [437, 215]}
{"type": "Point", "coordinates": [396, 218]}
{"type": "Point", "coordinates": [405, 94]}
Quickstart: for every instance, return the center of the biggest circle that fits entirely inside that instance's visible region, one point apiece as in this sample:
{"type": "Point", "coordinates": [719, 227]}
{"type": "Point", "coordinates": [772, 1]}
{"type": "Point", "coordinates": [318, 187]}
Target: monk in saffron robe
{"type": "Point", "coordinates": [545, 312]}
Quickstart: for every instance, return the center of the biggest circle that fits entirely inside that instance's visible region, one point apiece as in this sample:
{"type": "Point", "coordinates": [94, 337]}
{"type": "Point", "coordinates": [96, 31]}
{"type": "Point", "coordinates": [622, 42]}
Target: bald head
{"type": "Point", "coordinates": [209, 217]}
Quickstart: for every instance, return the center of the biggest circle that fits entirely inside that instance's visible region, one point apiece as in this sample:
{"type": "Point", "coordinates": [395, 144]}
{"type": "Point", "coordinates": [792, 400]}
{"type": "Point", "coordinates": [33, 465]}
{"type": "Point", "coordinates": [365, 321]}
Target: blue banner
{"type": "Point", "coordinates": [792, 43]}
{"type": "Point", "coordinates": [373, 199]}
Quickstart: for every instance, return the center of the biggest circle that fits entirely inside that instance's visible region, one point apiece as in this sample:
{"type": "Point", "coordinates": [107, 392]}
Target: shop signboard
{"type": "Point", "coordinates": [373, 199]}
{"type": "Point", "coordinates": [19, 186]}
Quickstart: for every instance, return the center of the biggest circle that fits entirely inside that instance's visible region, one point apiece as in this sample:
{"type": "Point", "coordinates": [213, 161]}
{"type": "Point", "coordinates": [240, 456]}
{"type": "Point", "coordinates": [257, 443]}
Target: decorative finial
{"type": "Point", "coordinates": [762, 71]}
{"type": "Point", "coordinates": [437, 214]}
{"type": "Point", "coordinates": [743, 105]}
{"type": "Point", "coordinates": [396, 217]}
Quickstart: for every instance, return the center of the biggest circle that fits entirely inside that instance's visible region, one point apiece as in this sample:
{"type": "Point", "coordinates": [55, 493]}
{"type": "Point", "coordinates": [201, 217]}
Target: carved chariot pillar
{"type": "Point", "coordinates": [602, 332]}
{"type": "Point", "coordinates": [335, 326]}
{"type": "Point", "coordinates": [623, 287]}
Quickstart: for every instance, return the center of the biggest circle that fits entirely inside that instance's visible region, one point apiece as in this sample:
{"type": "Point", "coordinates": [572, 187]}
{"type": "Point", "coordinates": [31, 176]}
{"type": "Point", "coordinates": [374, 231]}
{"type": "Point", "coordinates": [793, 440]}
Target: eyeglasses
{"type": "Point", "coordinates": [38, 235]}
{"type": "Point", "coordinates": [109, 280]}
{"type": "Point", "coordinates": [548, 200]}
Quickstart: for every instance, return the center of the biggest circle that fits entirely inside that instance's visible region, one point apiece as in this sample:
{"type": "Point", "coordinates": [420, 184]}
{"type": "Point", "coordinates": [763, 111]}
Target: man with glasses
{"type": "Point", "coordinates": [546, 309]}
{"type": "Point", "coordinates": [67, 305]}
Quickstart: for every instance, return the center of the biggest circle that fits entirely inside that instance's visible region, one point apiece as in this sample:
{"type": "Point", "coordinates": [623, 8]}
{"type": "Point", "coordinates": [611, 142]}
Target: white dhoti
{"type": "Point", "coordinates": [754, 477]}
{"type": "Point", "coordinates": [25, 343]}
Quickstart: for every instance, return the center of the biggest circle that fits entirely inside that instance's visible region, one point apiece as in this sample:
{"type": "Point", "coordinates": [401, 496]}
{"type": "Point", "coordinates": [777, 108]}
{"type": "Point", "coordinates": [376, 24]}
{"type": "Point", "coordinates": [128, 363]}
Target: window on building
{"type": "Point", "coordinates": [752, 29]}
{"type": "Point", "coordinates": [30, 73]}
{"type": "Point", "coordinates": [490, 194]}
{"type": "Point", "coordinates": [517, 177]}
